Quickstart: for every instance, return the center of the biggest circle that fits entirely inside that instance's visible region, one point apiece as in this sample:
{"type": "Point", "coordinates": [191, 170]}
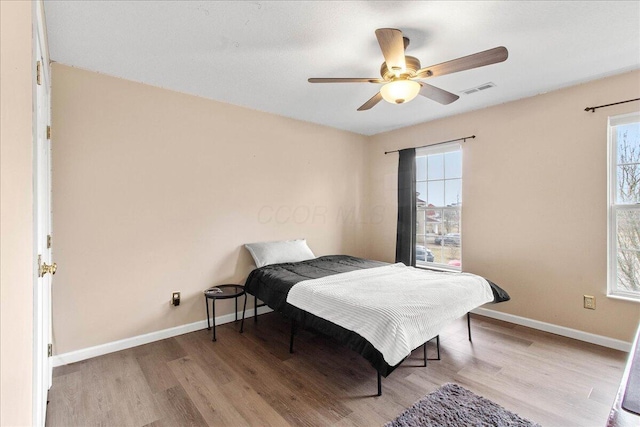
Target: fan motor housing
{"type": "Point", "coordinates": [413, 65]}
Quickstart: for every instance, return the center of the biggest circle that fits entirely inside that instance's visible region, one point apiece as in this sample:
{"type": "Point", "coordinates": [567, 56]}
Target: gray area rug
{"type": "Point", "coordinates": [455, 406]}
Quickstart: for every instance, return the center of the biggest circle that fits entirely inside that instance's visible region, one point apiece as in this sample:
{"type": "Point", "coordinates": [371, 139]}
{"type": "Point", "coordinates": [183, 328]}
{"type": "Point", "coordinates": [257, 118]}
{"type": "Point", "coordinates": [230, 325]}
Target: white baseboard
{"type": "Point", "coordinates": [99, 350]}
{"type": "Point", "coordinates": [555, 329]}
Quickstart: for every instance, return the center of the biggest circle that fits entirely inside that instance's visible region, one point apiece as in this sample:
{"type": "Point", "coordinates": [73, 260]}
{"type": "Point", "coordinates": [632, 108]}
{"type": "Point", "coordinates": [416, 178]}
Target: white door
{"type": "Point", "coordinates": [42, 230]}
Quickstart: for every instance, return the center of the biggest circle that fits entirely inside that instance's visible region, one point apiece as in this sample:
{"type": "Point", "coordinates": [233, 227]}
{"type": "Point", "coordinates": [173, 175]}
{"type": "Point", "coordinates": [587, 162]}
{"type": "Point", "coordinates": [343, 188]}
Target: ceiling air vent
{"type": "Point", "coordinates": [484, 86]}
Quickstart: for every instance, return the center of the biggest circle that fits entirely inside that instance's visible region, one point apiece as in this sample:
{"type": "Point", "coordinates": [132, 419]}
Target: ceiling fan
{"type": "Point", "coordinates": [399, 71]}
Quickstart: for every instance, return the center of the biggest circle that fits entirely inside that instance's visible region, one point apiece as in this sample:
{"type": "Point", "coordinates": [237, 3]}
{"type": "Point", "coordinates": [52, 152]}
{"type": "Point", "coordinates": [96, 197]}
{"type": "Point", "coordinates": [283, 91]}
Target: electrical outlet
{"type": "Point", "coordinates": [175, 299]}
{"type": "Point", "coordinates": [590, 302]}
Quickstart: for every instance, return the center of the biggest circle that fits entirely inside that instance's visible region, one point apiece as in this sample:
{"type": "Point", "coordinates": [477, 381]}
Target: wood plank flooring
{"type": "Point", "coordinates": [250, 379]}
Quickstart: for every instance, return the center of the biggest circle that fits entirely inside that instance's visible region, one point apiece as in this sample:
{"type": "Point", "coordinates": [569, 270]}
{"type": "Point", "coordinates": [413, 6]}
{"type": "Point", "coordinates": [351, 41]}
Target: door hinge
{"type": "Point", "coordinates": [48, 132]}
{"type": "Point", "coordinates": [48, 241]}
{"type": "Point", "coordinates": [39, 72]}
{"type": "Point", "coordinates": [50, 350]}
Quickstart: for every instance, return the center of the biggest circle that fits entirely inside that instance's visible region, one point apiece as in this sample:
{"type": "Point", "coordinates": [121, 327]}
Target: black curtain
{"type": "Point", "coordinates": [406, 232]}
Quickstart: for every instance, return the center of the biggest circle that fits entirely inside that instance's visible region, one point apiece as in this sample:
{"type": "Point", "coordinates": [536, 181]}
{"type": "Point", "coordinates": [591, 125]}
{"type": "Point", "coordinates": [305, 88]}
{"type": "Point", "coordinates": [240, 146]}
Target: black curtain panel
{"type": "Point", "coordinates": [406, 232]}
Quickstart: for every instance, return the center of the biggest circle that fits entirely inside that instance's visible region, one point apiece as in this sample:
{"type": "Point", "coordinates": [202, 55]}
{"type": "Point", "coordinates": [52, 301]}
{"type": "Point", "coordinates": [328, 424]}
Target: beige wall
{"type": "Point", "coordinates": [535, 201]}
{"type": "Point", "coordinates": [157, 191]}
{"type": "Point", "coordinates": [16, 204]}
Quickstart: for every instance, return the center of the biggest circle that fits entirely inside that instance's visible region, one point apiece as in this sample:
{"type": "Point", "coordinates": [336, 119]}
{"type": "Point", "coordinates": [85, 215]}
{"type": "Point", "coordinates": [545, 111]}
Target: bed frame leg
{"type": "Point", "coordinates": [379, 384]}
{"type": "Point", "coordinates": [255, 309]}
{"type": "Point", "coordinates": [244, 309]}
{"type": "Point", "coordinates": [469, 324]}
{"type": "Point", "coordinates": [293, 331]}
{"type": "Point", "coordinates": [424, 347]}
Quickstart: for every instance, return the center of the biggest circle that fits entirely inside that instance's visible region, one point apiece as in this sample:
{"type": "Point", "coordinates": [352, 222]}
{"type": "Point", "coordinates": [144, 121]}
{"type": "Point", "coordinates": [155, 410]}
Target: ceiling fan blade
{"type": "Point", "coordinates": [371, 103]}
{"type": "Point", "coordinates": [345, 80]}
{"type": "Point", "coordinates": [392, 46]}
{"type": "Point", "coordinates": [437, 94]}
{"type": "Point", "coordinates": [480, 59]}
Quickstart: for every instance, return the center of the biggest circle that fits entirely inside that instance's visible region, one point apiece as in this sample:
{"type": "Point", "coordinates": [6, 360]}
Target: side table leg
{"type": "Point", "coordinates": [206, 304]}
{"type": "Point", "coordinates": [213, 306]}
{"type": "Point", "coordinates": [244, 308]}
{"type": "Point", "coordinates": [236, 298]}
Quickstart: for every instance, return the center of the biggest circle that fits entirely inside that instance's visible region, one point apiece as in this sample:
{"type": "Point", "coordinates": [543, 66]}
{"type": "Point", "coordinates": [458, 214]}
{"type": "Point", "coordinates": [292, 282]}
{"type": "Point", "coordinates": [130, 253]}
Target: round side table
{"type": "Point", "coordinates": [223, 292]}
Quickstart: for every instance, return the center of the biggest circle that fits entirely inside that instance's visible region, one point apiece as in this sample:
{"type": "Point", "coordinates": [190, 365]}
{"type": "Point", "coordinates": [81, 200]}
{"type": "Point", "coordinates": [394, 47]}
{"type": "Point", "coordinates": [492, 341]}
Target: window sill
{"type": "Point", "coordinates": [624, 298]}
{"type": "Point", "coordinates": [447, 270]}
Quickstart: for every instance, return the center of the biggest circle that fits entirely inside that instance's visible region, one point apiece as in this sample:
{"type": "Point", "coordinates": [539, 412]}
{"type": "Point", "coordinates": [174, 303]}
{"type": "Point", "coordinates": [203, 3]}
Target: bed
{"type": "Point", "coordinates": [347, 298]}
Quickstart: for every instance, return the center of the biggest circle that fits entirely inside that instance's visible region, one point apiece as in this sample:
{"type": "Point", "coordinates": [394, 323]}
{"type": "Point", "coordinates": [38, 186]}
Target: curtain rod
{"type": "Point", "coordinates": [439, 143]}
{"type": "Point", "coordinates": [593, 109]}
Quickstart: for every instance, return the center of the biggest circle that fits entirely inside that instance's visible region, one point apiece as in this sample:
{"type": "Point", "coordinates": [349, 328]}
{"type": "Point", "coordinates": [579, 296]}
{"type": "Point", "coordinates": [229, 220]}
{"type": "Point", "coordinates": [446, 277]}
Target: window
{"type": "Point", "coordinates": [438, 206]}
{"type": "Point", "coordinates": [624, 206]}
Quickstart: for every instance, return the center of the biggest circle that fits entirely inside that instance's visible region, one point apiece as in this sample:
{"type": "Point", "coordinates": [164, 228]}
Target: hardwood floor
{"type": "Point", "coordinates": [251, 379]}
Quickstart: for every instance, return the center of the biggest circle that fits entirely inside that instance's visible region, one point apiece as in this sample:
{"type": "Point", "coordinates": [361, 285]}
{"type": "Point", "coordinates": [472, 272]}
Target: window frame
{"type": "Point", "coordinates": [613, 206]}
{"type": "Point", "coordinates": [441, 149]}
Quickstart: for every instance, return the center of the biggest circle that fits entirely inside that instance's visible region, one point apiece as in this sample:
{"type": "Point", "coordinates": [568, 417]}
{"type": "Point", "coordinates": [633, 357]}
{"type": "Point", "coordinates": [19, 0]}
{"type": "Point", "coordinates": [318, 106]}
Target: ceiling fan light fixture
{"type": "Point", "coordinates": [400, 91]}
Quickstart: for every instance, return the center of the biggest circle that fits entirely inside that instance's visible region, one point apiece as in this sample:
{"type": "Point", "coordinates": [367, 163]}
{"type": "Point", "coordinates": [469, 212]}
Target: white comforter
{"type": "Point", "coordinates": [395, 307]}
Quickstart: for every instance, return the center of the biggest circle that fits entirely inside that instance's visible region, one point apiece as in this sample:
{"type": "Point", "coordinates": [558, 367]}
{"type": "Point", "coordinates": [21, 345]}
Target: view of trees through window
{"type": "Point", "coordinates": [627, 207]}
{"type": "Point", "coordinates": [439, 202]}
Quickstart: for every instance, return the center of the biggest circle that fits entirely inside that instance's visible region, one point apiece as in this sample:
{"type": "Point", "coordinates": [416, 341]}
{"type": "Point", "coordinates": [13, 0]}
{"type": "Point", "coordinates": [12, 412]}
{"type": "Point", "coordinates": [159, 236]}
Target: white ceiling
{"type": "Point", "coordinates": [260, 54]}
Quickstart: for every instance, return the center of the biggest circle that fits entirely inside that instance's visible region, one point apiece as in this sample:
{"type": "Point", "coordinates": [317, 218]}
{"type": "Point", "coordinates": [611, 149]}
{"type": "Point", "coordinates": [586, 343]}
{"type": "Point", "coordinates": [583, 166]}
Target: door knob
{"type": "Point", "coordinates": [44, 268]}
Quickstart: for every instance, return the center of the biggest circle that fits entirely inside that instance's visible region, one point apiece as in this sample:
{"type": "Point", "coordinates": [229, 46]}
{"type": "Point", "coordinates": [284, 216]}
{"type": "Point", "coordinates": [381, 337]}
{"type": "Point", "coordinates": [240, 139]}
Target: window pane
{"type": "Point", "coordinates": [453, 192]}
{"type": "Point", "coordinates": [628, 271]}
{"type": "Point", "coordinates": [421, 196]}
{"type": "Point", "coordinates": [421, 168]}
{"type": "Point", "coordinates": [628, 254]}
{"type": "Point", "coordinates": [453, 165]}
{"type": "Point", "coordinates": [420, 217]}
{"type": "Point", "coordinates": [628, 143]}
{"type": "Point", "coordinates": [435, 193]}
{"type": "Point", "coordinates": [444, 252]}
{"type": "Point", "coordinates": [437, 253]}
{"type": "Point", "coordinates": [435, 166]}
{"type": "Point", "coordinates": [451, 224]}
{"type": "Point", "coordinates": [628, 229]}
{"type": "Point", "coordinates": [433, 219]}
{"type": "Point", "coordinates": [628, 183]}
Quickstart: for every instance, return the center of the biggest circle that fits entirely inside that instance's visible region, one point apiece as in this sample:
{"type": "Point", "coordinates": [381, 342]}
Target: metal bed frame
{"type": "Point", "coordinates": [294, 327]}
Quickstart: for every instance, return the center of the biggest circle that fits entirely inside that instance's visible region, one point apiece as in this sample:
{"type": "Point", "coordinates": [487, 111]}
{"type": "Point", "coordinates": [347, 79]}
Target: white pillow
{"type": "Point", "coordinates": [266, 253]}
